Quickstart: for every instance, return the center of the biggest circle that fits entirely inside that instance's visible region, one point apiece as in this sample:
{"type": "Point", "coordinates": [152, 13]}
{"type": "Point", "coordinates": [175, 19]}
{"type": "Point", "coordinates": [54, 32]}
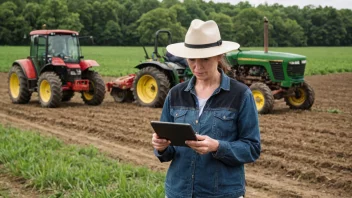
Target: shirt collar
{"type": "Point", "coordinates": [224, 84]}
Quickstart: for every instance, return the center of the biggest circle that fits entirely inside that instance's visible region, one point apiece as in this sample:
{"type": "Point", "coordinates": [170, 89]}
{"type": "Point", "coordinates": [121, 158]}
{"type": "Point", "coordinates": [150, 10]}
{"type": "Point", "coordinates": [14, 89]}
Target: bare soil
{"type": "Point", "coordinates": [304, 153]}
{"type": "Point", "coordinates": [14, 187]}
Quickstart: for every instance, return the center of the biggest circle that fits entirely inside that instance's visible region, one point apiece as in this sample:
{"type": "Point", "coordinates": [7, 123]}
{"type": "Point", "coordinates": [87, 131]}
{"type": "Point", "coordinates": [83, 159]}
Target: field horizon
{"type": "Point", "coordinates": [121, 60]}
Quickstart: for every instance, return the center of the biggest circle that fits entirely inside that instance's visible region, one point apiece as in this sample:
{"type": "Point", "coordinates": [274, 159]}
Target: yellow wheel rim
{"type": "Point", "coordinates": [298, 101]}
{"type": "Point", "coordinates": [147, 89]}
{"type": "Point", "coordinates": [45, 91]}
{"type": "Point", "coordinates": [88, 95]}
{"type": "Point", "coordinates": [14, 85]}
{"type": "Point", "coordinates": [259, 99]}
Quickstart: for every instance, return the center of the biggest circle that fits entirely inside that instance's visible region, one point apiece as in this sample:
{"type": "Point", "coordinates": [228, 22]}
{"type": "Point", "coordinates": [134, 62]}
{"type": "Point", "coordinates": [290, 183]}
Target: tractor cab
{"type": "Point", "coordinates": [51, 45]}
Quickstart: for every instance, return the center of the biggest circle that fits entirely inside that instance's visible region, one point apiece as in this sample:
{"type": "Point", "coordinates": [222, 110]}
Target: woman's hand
{"type": "Point", "coordinates": [159, 144]}
{"type": "Point", "coordinates": [204, 145]}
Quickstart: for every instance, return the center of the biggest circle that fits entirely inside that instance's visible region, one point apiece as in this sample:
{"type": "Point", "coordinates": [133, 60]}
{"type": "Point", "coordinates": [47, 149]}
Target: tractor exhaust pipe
{"type": "Point", "coordinates": [266, 35]}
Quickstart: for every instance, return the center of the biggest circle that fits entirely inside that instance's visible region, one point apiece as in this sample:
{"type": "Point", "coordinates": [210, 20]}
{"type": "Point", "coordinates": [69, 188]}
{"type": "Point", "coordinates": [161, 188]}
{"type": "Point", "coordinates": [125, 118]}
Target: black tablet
{"type": "Point", "coordinates": [177, 133]}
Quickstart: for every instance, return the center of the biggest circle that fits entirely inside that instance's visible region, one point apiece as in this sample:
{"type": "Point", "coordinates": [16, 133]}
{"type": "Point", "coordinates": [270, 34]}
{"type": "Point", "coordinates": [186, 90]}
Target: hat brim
{"type": "Point", "coordinates": [179, 49]}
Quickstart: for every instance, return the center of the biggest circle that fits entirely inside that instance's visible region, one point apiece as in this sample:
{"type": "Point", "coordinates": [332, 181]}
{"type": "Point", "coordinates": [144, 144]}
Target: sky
{"type": "Point", "coordinates": [338, 4]}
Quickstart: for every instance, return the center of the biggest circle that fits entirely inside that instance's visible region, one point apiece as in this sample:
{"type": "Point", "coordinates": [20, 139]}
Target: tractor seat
{"type": "Point", "coordinates": [175, 59]}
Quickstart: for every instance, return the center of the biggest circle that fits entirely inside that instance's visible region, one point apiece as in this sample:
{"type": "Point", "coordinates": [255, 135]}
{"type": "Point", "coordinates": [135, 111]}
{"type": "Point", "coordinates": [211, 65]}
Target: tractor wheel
{"type": "Point", "coordinates": [121, 95]}
{"type": "Point", "coordinates": [49, 90]}
{"type": "Point", "coordinates": [150, 87]}
{"type": "Point", "coordinates": [67, 95]}
{"type": "Point", "coordinates": [18, 86]}
{"type": "Point", "coordinates": [96, 93]}
{"type": "Point", "coordinates": [263, 97]}
{"type": "Point", "coordinates": [303, 99]}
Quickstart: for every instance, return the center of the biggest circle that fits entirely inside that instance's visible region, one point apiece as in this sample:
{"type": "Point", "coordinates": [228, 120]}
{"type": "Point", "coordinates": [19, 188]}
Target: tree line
{"type": "Point", "coordinates": [134, 22]}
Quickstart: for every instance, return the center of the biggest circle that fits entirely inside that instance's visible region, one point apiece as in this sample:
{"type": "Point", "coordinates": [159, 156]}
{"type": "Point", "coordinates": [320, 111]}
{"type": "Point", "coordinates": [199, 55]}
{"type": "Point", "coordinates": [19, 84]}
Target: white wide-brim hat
{"type": "Point", "coordinates": [202, 40]}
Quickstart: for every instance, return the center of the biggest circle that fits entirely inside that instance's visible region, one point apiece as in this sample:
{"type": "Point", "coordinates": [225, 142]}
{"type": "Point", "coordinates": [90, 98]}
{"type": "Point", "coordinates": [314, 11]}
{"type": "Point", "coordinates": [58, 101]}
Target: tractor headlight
{"type": "Point", "coordinates": [303, 61]}
{"type": "Point", "coordinates": [75, 72]}
{"type": "Point", "coordinates": [294, 62]}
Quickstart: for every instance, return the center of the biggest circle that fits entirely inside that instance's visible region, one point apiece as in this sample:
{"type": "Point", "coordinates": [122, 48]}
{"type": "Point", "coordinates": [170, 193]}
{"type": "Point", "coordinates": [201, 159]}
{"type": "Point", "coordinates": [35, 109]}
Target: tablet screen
{"type": "Point", "coordinates": [177, 133]}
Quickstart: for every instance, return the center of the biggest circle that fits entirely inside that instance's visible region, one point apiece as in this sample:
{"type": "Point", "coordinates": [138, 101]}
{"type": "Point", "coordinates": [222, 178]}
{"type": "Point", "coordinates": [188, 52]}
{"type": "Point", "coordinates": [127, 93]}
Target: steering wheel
{"type": "Point", "coordinates": [61, 55]}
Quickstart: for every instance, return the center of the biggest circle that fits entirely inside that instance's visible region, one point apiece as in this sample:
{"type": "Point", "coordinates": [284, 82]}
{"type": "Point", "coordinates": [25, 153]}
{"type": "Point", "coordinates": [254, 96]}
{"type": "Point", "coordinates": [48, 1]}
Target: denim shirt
{"type": "Point", "coordinates": [229, 116]}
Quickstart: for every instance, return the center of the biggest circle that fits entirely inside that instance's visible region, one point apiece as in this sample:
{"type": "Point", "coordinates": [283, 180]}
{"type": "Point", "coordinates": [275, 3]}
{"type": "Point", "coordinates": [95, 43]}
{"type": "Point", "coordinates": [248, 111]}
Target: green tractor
{"type": "Point", "coordinates": [270, 75]}
{"type": "Point", "coordinates": [273, 76]}
{"type": "Point", "coordinates": [56, 70]}
{"type": "Point", "coordinates": [156, 75]}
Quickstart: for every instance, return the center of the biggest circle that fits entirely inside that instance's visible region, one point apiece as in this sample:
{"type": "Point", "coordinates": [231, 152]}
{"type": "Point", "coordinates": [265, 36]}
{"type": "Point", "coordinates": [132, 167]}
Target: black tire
{"type": "Point", "coordinates": [49, 90]}
{"type": "Point", "coordinates": [150, 87]}
{"type": "Point", "coordinates": [121, 95]}
{"type": "Point", "coordinates": [67, 95]}
{"type": "Point", "coordinates": [263, 97]}
{"type": "Point", "coordinates": [303, 99]}
{"type": "Point", "coordinates": [18, 86]}
{"type": "Point", "coordinates": [96, 93]}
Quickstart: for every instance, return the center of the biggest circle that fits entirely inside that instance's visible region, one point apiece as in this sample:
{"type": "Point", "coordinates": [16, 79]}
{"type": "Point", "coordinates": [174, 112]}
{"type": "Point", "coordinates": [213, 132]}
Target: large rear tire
{"type": "Point", "coordinates": [303, 99]}
{"type": "Point", "coordinates": [49, 90]}
{"type": "Point", "coordinates": [96, 93]}
{"type": "Point", "coordinates": [18, 86]}
{"type": "Point", "coordinates": [150, 87]}
{"type": "Point", "coordinates": [263, 97]}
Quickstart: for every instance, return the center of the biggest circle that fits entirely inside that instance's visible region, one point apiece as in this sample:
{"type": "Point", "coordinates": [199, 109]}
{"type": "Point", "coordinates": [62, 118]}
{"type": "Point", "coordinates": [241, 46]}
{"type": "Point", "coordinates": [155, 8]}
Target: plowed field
{"type": "Point", "coordinates": [305, 153]}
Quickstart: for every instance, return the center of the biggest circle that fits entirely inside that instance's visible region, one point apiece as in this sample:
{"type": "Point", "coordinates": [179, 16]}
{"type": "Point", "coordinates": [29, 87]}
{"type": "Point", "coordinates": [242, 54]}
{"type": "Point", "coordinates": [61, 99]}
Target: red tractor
{"type": "Point", "coordinates": [56, 70]}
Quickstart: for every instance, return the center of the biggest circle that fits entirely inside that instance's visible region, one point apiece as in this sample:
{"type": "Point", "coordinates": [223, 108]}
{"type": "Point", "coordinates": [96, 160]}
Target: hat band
{"type": "Point", "coordinates": [217, 43]}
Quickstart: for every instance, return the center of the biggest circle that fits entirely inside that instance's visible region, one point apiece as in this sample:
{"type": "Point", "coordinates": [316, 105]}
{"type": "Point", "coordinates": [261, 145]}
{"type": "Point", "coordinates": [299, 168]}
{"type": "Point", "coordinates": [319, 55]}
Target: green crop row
{"type": "Point", "coordinates": [119, 61]}
{"type": "Point", "coordinates": [59, 170]}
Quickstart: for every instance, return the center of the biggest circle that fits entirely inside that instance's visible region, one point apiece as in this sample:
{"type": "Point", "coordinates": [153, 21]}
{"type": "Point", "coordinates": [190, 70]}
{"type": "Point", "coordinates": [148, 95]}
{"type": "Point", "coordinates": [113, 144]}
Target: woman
{"type": "Point", "coordinates": [222, 112]}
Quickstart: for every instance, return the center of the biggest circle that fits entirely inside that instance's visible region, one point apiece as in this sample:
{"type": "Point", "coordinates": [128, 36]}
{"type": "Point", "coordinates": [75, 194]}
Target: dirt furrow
{"type": "Point", "coordinates": [305, 153]}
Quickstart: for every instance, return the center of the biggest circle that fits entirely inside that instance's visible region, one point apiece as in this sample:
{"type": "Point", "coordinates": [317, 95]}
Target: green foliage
{"type": "Point", "coordinates": [336, 111]}
{"type": "Point", "coordinates": [114, 22]}
{"type": "Point", "coordinates": [169, 3]}
{"type": "Point", "coordinates": [56, 16]}
{"type": "Point", "coordinates": [157, 19]}
{"type": "Point", "coordinates": [225, 25]}
{"type": "Point", "coordinates": [248, 24]}
{"type": "Point", "coordinates": [13, 25]}
{"type": "Point", "coordinates": [50, 166]}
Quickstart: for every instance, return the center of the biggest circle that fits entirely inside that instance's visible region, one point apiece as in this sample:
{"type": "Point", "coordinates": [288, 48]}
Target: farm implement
{"type": "Point", "coordinates": [120, 89]}
{"type": "Point", "coordinates": [270, 75]}
{"type": "Point", "coordinates": [56, 70]}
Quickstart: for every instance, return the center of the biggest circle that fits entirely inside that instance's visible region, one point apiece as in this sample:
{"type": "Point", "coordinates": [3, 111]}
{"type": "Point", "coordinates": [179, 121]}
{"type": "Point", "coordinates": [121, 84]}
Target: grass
{"type": "Point", "coordinates": [59, 170]}
{"type": "Point", "coordinates": [119, 61]}
{"type": "Point", "coordinates": [4, 193]}
{"type": "Point", "coordinates": [335, 111]}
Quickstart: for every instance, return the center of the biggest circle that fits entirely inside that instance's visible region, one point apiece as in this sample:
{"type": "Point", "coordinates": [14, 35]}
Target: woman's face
{"type": "Point", "coordinates": [204, 68]}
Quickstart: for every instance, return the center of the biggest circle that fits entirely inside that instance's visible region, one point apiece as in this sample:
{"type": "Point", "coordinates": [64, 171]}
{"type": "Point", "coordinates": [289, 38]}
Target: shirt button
{"type": "Point", "coordinates": [192, 176]}
{"type": "Point", "coordinates": [224, 117]}
{"type": "Point", "coordinates": [196, 121]}
{"type": "Point", "coordinates": [176, 114]}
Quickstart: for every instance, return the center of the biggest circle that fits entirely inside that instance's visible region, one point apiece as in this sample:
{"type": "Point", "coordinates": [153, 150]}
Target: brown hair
{"type": "Point", "coordinates": [224, 65]}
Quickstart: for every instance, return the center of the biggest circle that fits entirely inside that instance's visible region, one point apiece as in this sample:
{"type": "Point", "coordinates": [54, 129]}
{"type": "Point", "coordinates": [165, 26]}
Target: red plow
{"type": "Point", "coordinates": [120, 89]}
